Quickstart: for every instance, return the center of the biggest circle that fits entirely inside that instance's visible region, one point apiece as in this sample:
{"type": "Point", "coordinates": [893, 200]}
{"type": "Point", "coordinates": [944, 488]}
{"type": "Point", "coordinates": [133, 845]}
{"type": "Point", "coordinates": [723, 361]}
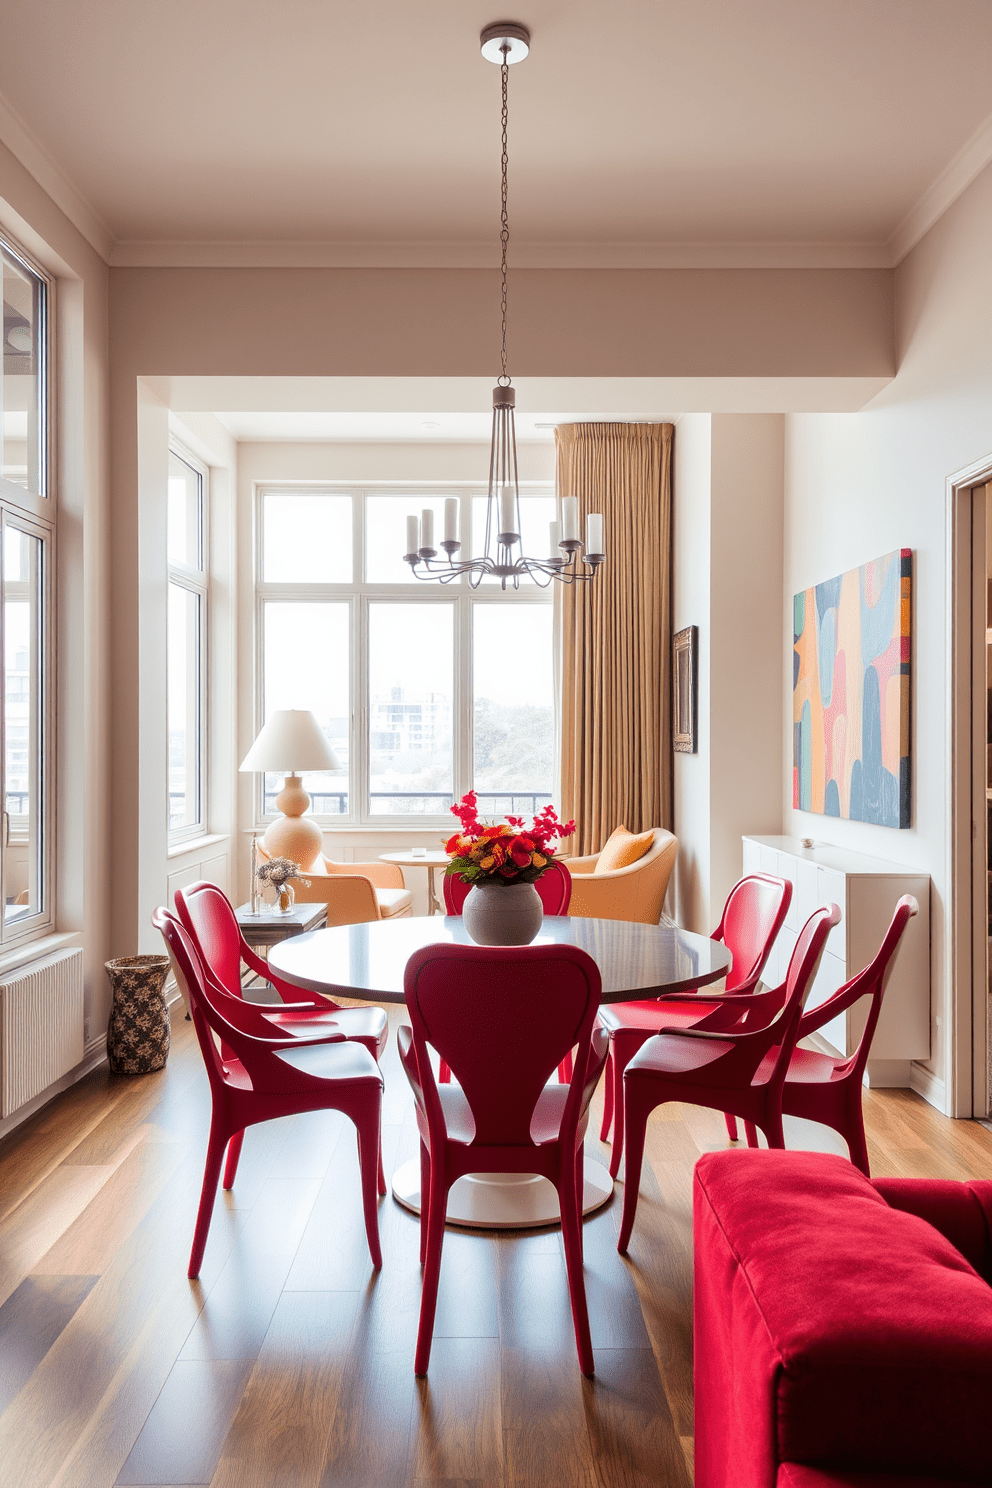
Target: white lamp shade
{"type": "Point", "coordinates": [292, 740]}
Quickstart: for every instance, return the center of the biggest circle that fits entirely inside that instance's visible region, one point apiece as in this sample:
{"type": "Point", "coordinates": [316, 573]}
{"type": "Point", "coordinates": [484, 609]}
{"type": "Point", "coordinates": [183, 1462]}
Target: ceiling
{"type": "Point", "coordinates": [649, 131]}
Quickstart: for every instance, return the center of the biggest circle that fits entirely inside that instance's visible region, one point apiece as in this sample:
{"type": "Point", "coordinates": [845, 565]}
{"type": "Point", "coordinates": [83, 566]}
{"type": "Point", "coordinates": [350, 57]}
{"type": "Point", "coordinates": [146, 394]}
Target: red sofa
{"type": "Point", "coordinates": [843, 1326]}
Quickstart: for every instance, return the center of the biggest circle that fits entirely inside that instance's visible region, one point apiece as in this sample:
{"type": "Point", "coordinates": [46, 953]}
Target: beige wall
{"type": "Point", "coordinates": [83, 873]}
{"type": "Point", "coordinates": [859, 485]}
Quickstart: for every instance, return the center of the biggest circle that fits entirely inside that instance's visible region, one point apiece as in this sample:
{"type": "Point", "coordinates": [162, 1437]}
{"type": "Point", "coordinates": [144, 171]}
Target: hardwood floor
{"type": "Point", "coordinates": [289, 1364]}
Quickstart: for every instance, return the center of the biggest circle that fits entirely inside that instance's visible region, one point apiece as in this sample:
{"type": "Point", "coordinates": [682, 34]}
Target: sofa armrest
{"type": "Point", "coordinates": [962, 1212]}
{"type": "Point", "coordinates": [382, 875]}
{"type": "Point", "coordinates": [582, 865]}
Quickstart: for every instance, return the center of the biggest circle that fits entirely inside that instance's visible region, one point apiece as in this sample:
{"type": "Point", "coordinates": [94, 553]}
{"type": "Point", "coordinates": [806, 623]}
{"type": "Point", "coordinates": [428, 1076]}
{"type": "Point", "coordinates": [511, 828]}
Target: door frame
{"type": "Point", "coordinates": [965, 955]}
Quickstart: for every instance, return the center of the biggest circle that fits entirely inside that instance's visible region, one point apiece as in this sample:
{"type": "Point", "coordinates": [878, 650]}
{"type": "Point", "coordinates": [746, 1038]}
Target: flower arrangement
{"type": "Point", "coordinates": [275, 873]}
{"type": "Point", "coordinates": [505, 853]}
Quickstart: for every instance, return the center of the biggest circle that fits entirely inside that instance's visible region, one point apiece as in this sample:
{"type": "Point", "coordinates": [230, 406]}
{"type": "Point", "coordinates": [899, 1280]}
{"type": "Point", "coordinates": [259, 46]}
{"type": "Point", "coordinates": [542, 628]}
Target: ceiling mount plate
{"type": "Point", "coordinates": [512, 35]}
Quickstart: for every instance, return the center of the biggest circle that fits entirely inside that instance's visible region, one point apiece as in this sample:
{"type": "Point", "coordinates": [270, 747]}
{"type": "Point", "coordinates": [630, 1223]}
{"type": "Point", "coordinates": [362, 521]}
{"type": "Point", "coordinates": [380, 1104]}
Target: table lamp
{"type": "Point", "coordinates": [289, 742]}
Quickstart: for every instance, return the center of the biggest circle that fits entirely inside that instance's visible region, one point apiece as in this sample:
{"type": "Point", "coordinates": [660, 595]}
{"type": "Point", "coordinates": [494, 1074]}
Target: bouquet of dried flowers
{"type": "Point", "coordinates": [505, 853]}
{"type": "Point", "coordinates": [275, 872]}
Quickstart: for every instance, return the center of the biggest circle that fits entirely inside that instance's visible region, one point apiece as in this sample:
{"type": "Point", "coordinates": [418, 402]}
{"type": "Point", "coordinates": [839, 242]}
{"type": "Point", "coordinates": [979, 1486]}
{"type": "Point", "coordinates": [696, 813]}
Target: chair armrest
{"type": "Point", "coordinates": [382, 875]}
{"type": "Point", "coordinates": [581, 865]}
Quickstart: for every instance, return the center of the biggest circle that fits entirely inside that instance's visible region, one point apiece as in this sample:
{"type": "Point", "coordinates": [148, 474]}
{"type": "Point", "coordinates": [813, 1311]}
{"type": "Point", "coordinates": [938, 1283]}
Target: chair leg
{"type": "Point", "coordinates": [381, 1175]}
{"type": "Point", "coordinates": [637, 1108]}
{"type": "Point", "coordinates": [608, 1097]}
{"type": "Point", "coordinates": [425, 1199]}
{"type": "Point", "coordinates": [216, 1143]}
{"type": "Point", "coordinates": [571, 1234]}
{"type": "Point", "coordinates": [619, 1109]}
{"type": "Point", "coordinates": [580, 1186]}
{"type": "Point", "coordinates": [731, 1125]}
{"type": "Point", "coordinates": [233, 1156]}
{"type": "Point", "coordinates": [565, 1069]}
{"type": "Point", "coordinates": [752, 1133]}
{"type": "Point", "coordinates": [772, 1128]}
{"type": "Point", "coordinates": [432, 1269]}
{"type": "Point", "coordinates": [369, 1164]}
{"type": "Point", "coordinates": [854, 1135]}
{"type": "Point", "coordinates": [444, 1074]}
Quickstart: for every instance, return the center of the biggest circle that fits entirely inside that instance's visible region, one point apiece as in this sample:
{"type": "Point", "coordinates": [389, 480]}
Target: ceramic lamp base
{"type": "Point", "coordinates": [293, 835]}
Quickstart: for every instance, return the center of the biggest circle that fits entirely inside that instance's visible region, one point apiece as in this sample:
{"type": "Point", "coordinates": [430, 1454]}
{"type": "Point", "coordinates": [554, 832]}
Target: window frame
{"type": "Point", "coordinates": [41, 504]}
{"type": "Point", "coordinates": [35, 513]}
{"type": "Point", "coordinates": [360, 594]}
{"type": "Point", "coordinates": [193, 581]}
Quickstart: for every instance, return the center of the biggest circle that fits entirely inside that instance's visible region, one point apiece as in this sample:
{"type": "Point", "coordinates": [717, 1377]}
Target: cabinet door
{"type": "Point", "coordinates": [830, 976]}
{"type": "Point", "coordinates": [831, 888]}
{"type": "Point", "coordinates": [751, 856]}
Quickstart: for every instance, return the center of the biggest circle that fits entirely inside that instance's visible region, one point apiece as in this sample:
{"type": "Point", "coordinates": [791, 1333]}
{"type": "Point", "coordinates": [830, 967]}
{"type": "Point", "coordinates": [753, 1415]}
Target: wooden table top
{"type": "Point", "coordinates": [367, 961]}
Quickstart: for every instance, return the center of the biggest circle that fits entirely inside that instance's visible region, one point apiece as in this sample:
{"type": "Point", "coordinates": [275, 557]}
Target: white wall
{"type": "Point", "coordinates": [860, 485]}
{"type": "Point", "coordinates": [728, 567]}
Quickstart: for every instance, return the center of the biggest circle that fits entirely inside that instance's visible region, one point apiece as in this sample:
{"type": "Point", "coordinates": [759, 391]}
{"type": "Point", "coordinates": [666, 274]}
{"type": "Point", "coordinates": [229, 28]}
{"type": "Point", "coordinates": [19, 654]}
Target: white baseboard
{"type": "Point", "coordinates": [929, 1085]}
{"type": "Point", "coordinates": [888, 1074]}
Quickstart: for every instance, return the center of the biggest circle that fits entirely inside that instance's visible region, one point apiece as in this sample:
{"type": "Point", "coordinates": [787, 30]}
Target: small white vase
{"type": "Point", "coordinates": [503, 914]}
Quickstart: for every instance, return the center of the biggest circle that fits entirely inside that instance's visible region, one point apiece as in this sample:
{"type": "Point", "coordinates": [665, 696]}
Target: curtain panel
{"type": "Point", "coordinates": [616, 643]}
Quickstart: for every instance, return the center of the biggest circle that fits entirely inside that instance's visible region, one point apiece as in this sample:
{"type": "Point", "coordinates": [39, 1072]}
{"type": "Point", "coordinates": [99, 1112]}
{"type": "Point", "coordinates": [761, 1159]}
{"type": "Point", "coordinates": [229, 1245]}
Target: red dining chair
{"type": "Point", "coordinates": [261, 1078]}
{"type": "Point", "coordinates": [822, 1088]}
{"type": "Point", "coordinates": [502, 1018]}
{"type": "Point", "coordinates": [721, 1064]}
{"type": "Point", "coordinates": [555, 888]}
{"type": "Point", "coordinates": [752, 917]}
{"type": "Point", "coordinates": [209, 920]}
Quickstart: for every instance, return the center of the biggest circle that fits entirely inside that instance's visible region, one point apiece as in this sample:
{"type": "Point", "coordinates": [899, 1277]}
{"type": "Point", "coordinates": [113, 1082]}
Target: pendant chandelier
{"type": "Point", "coordinates": [568, 558]}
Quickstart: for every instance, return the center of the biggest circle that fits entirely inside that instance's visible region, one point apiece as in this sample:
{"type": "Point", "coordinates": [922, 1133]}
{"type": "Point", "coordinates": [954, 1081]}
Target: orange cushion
{"type": "Point", "coordinates": [623, 848]}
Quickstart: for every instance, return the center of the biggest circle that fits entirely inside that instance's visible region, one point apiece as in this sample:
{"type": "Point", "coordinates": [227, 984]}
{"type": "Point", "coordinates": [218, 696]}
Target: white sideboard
{"type": "Point", "coordinates": [866, 890]}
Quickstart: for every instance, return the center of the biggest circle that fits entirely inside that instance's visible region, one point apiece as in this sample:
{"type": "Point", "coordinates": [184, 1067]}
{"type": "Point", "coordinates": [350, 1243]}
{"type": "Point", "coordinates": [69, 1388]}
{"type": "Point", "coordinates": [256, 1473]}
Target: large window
{"type": "Point", "coordinates": [26, 572]}
{"type": "Point", "coordinates": [186, 637]}
{"type": "Point", "coordinates": [424, 691]}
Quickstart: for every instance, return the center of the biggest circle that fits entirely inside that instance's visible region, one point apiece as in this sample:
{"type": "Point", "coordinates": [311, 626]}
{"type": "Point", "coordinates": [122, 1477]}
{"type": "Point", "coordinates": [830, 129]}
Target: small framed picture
{"type": "Point", "coordinates": [684, 680]}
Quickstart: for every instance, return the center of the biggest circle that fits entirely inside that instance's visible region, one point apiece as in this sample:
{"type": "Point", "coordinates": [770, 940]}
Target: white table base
{"type": "Point", "coordinates": [503, 1201]}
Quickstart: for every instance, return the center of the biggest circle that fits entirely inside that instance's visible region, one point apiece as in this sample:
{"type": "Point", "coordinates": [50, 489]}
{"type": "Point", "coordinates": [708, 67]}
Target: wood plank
{"type": "Point", "coordinates": [91, 1241]}
{"type": "Point", "coordinates": [544, 1408]}
{"type": "Point", "coordinates": [631, 1434]}
{"type": "Point", "coordinates": [281, 1433]}
{"type": "Point", "coordinates": [458, 1418]}
{"type": "Point", "coordinates": [181, 1440]}
{"type": "Point", "coordinates": [371, 1431]}
{"type": "Point", "coordinates": [30, 1321]}
{"type": "Point", "coordinates": [49, 1209]}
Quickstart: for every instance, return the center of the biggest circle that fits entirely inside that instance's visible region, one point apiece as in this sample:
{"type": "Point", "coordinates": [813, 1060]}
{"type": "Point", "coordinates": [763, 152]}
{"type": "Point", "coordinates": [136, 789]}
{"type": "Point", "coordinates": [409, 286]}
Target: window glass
{"type": "Point", "coordinates": [24, 442]}
{"type": "Point", "coordinates": [305, 659]}
{"type": "Point", "coordinates": [184, 621]}
{"type": "Point", "coordinates": [306, 538]}
{"type": "Point", "coordinates": [23, 698]}
{"type": "Point", "coordinates": [536, 515]}
{"type": "Point", "coordinates": [513, 717]}
{"type": "Point", "coordinates": [411, 674]}
{"type": "Point", "coordinates": [385, 535]}
{"type": "Point", "coordinates": [185, 514]}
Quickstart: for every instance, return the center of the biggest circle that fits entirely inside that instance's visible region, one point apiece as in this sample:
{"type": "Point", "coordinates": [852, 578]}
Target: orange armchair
{"type": "Point", "coordinates": [354, 892]}
{"type": "Point", "coordinates": [633, 893]}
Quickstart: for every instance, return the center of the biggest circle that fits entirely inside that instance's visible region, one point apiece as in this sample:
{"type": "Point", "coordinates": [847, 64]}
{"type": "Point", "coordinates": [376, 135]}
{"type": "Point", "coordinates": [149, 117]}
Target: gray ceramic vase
{"type": "Point", "coordinates": [503, 914]}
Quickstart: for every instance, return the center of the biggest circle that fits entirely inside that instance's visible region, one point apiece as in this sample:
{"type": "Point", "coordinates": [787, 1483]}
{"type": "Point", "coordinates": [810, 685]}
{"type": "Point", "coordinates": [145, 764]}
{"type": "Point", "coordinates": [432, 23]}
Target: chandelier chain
{"type": "Point", "coordinates": [504, 235]}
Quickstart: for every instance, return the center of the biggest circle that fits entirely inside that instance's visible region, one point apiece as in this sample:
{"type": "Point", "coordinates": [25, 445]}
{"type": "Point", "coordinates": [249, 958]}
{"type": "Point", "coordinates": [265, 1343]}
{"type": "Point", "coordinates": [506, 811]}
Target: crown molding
{"type": "Point", "coordinates": [479, 255]}
{"type": "Point", "coordinates": [32, 154]}
{"type": "Point", "coordinates": [955, 178]}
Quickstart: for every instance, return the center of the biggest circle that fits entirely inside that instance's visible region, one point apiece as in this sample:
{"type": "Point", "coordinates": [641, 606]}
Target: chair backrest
{"type": "Point", "coordinates": [503, 1020]}
{"type": "Point", "coordinates": [193, 984]}
{"type": "Point", "coordinates": [208, 918]}
{"type": "Point", "coordinates": [554, 888]}
{"type": "Point", "coordinates": [803, 966]}
{"type": "Point", "coordinates": [752, 917]}
{"type": "Point", "coordinates": [870, 982]}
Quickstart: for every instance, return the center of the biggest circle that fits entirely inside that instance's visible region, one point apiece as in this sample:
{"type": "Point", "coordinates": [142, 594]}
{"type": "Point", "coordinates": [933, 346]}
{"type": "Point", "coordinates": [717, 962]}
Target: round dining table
{"type": "Point", "coordinates": [367, 962]}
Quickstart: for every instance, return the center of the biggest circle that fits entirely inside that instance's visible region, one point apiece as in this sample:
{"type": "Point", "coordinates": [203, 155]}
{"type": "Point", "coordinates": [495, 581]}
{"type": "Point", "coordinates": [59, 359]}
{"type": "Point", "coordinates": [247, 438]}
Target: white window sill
{"type": "Point", "coordinates": [33, 950]}
{"type": "Point", "coordinates": [197, 844]}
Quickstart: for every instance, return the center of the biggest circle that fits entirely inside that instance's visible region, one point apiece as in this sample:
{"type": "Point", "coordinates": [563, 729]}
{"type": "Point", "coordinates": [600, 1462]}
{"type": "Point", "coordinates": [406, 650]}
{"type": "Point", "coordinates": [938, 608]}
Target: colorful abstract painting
{"type": "Point", "coordinates": [851, 675]}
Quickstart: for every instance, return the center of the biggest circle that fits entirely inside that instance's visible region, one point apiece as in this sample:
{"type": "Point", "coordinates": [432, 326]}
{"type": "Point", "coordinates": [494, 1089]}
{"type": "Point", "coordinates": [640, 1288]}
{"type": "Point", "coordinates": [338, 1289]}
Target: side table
{"type": "Point", "coordinates": [269, 927]}
{"type": "Point", "coordinates": [428, 860]}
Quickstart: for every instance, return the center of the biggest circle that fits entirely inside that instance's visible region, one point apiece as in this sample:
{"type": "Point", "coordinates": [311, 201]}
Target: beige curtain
{"type": "Point", "coordinates": [615, 718]}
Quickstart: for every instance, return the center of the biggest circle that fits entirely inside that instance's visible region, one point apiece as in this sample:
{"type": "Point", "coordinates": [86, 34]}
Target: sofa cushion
{"type": "Point", "coordinates": [393, 902]}
{"type": "Point", "coordinates": [859, 1337]}
{"type": "Point", "coordinates": [622, 848]}
{"type": "Point", "coordinates": [962, 1212]}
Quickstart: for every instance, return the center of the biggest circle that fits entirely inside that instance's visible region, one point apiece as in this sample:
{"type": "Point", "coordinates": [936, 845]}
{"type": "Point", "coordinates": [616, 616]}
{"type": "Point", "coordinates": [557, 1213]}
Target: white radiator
{"type": "Point", "coordinates": [41, 1027]}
